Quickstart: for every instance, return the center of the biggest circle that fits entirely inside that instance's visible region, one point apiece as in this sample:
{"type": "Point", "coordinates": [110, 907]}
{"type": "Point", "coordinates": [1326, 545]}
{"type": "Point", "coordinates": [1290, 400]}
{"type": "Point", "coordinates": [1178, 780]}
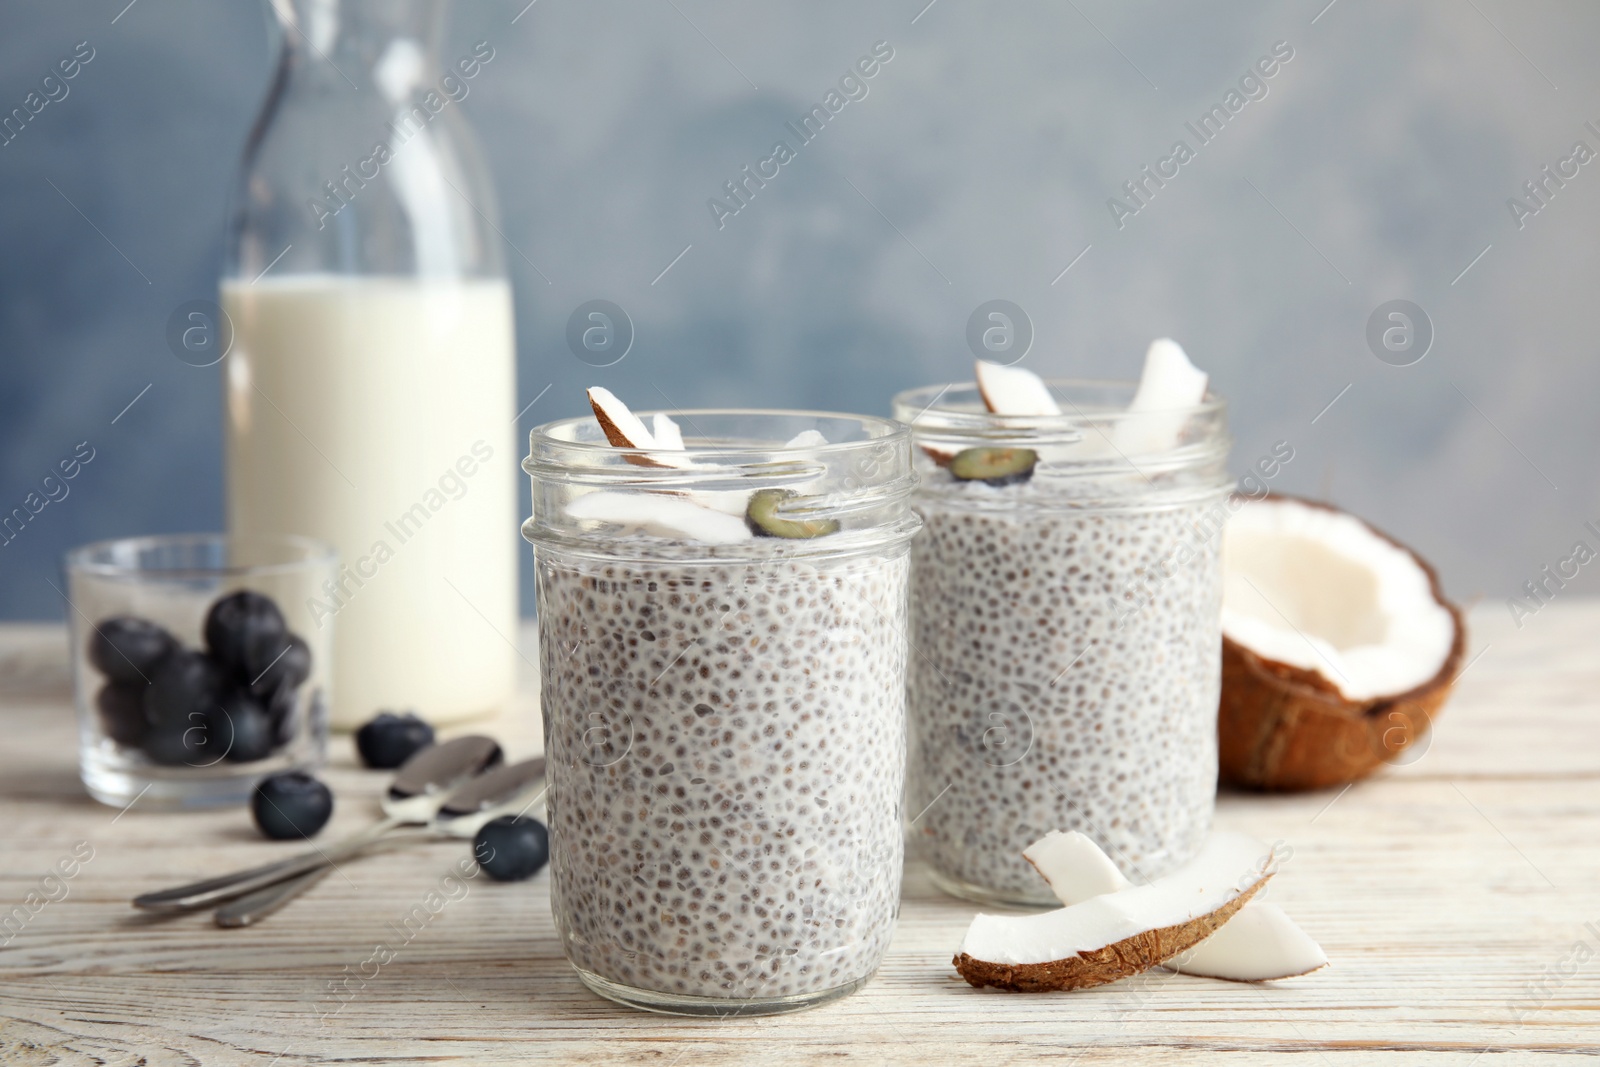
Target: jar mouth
{"type": "Point", "coordinates": [859, 478]}
{"type": "Point", "coordinates": [1090, 405]}
{"type": "Point", "coordinates": [720, 437]}
{"type": "Point", "coordinates": [1094, 436]}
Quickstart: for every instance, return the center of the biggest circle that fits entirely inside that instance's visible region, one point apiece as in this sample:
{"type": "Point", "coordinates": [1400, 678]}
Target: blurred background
{"type": "Point", "coordinates": [1376, 164]}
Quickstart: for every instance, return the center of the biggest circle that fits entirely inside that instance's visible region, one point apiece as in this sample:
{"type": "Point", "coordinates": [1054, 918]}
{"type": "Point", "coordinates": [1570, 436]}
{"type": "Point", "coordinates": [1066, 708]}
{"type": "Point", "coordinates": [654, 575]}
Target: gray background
{"type": "Point", "coordinates": [978, 167]}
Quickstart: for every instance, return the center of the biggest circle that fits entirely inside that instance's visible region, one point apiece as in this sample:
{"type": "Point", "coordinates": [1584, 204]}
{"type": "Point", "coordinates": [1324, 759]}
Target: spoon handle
{"type": "Point", "coordinates": [252, 907]}
{"type": "Point", "coordinates": [242, 911]}
{"type": "Point", "coordinates": [225, 887]}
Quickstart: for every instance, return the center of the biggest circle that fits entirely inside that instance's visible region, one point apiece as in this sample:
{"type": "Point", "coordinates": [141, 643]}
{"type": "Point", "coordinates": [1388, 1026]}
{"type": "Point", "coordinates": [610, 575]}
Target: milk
{"type": "Point", "coordinates": [377, 414]}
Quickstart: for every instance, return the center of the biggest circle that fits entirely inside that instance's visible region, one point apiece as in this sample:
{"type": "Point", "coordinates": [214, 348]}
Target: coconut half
{"type": "Point", "coordinates": [1259, 944]}
{"type": "Point", "coordinates": [1117, 934]}
{"type": "Point", "coordinates": [1338, 648]}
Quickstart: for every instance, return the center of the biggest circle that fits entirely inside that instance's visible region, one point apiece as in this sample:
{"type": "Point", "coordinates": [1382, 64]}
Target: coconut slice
{"type": "Point", "coordinates": [1259, 944]}
{"type": "Point", "coordinates": [1338, 646]}
{"type": "Point", "coordinates": [806, 439]}
{"type": "Point", "coordinates": [1118, 934]}
{"type": "Point", "coordinates": [666, 432]}
{"type": "Point", "coordinates": [1168, 387]}
{"type": "Point", "coordinates": [661, 514]}
{"type": "Point", "coordinates": [1075, 867]}
{"type": "Point", "coordinates": [1014, 390]}
{"type": "Point", "coordinates": [622, 427]}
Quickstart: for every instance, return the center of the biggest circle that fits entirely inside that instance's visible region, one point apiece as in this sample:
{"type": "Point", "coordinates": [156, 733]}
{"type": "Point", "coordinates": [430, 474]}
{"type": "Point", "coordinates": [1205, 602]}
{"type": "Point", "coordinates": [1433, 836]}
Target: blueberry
{"type": "Point", "coordinates": [240, 623]}
{"type": "Point", "coordinates": [291, 805]}
{"type": "Point", "coordinates": [512, 847]}
{"type": "Point", "coordinates": [184, 686]}
{"type": "Point", "coordinates": [126, 648]}
{"type": "Point", "coordinates": [389, 740]}
{"type": "Point", "coordinates": [273, 661]}
{"type": "Point", "coordinates": [239, 729]}
{"type": "Point", "coordinates": [179, 744]}
{"type": "Point", "coordinates": [283, 712]}
{"type": "Point", "coordinates": [122, 712]}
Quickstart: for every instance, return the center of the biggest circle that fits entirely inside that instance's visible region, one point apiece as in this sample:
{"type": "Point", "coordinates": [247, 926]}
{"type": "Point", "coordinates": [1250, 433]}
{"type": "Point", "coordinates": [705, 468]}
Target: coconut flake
{"type": "Point", "coordinates": [1120, 933]}
{"type": "Point", "coordinates": [1320, 590]}
{"type": "Point", "coordinates": [666, 432]}
{"type": "Point", "coordinates": [1169, 386]}
{"type": "Point", "coordinates": [622, 427]}
{"type": "Point", "coordinates": [1075, 866]}
{"type": "Point", "coordinates": [660, 514]}
{"type": "Point", "coordinates": [806, 439]}
{"type": "Point", "coordinates": [1260, 943]}
{"type": "Point", "coordinates": [1014, 390]}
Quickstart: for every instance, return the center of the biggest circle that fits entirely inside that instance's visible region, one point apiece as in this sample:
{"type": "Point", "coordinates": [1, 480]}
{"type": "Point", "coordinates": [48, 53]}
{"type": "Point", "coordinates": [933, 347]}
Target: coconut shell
{"type": "Point", "coordinates": [1285, 728]}
{"type": "Point", "coordinates": [1100, 966]}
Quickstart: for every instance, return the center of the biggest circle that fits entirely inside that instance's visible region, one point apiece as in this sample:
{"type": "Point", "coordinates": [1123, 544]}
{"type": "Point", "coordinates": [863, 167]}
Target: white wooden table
{"type": "Point", "coordinates": [1452, 896]}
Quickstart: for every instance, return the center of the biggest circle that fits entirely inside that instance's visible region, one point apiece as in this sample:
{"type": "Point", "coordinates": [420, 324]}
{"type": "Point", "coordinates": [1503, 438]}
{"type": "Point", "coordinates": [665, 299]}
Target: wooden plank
{"type": "Point", "coordinates": [1445, 893]}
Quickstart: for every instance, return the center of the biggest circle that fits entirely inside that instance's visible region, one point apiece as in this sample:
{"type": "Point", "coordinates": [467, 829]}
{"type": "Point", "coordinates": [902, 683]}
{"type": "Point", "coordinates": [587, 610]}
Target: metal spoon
{"type": "Point", "coordinates": [418, 791]}
{"type": "Point", "coordinates": [502, 791]}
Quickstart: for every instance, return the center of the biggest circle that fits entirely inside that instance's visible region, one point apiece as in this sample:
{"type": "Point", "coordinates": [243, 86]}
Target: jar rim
{"type": "Point", "coordinates": [125, 557]}
{"type": "Point", "coordinates": [926, 412]}
{"type": "Point", "coordinates": [577, 444]}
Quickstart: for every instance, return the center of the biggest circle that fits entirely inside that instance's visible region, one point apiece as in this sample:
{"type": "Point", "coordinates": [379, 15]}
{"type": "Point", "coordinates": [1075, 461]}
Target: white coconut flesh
{"type": "Point", "coordinates": [1076, 868]}
{"type": "Point", "coordinates": [697, 514]}
{"type": "Point", "coordinates": [806, 439]}
{"type": "Point", "coordinates": [1320, 590]}
{"type": "Point", "coordinates": [1014, 390]}
{"type": "Point", "coordinates": [624, 429]}
{"type": "Point", "coordinates": [1259, 943]}
{"type": "Point", "coordinates": [666, 432]}
{"type": "Point", "coordinates": [1228, 866]}
{"type": "Point", "coordinates": [1169, 386]}
{"type": "Point", "coordinates": [661, 514]}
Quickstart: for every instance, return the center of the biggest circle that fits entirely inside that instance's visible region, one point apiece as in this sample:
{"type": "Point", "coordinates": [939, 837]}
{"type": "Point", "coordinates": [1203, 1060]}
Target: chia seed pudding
{"type": "Point", "coordinates": [1067, 659]}
{"type": "Point", "coordinates": [725, 730]}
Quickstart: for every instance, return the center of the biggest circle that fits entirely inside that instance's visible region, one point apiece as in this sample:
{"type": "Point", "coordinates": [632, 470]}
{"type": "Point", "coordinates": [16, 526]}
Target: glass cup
{"type": "Point", "coordinates": [1067, 630]}
{"type": "Point", "coordinates": [724, 722]}
{"type": "Point", "coordinates": [163, 717]}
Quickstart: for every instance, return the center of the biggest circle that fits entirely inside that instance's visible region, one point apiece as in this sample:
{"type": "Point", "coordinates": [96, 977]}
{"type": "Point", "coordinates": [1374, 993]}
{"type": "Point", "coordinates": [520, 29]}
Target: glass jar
{"type": "Point", "coordinates": [725, 722]}
{"type": "Point", "coordinates": [370, 389]}
{"type": "Point", "coordinates": [171, 718]}
{"type": "Point", "coordinates": [1067, 636]}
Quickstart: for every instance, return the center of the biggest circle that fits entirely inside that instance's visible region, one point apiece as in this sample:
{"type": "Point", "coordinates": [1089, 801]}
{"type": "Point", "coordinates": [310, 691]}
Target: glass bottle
{"type": "Point", "coordinates": [371, 381]}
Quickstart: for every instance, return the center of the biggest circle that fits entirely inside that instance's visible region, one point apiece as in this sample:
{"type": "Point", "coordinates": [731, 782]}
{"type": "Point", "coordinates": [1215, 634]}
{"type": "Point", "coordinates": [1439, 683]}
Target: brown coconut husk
{"type": "Point", "coordinates": [1284, 728]}
{"type": "Point", "coordinates": [617, 439]}
{"type": "Point", "coordinates": [1123, 959]}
